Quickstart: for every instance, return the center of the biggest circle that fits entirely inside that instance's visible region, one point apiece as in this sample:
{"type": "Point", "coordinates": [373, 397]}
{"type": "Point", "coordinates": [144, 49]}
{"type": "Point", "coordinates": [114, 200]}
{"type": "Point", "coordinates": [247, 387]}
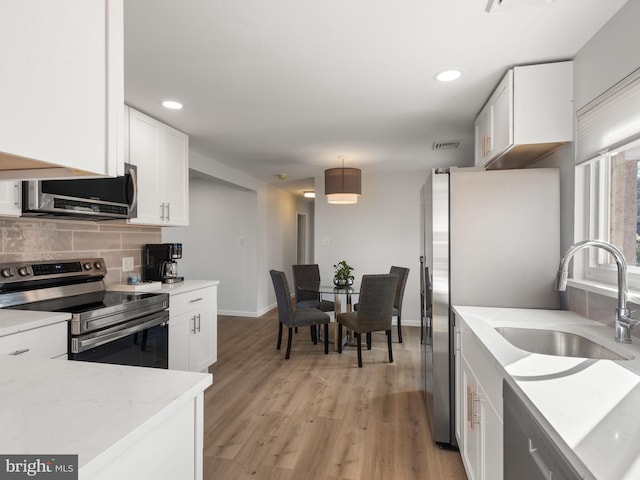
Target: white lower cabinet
{"type": "Point", "coordinates": [478, 408]}
{"type": "Point", "coordinates": [170, 450]}
{"type": "Point", "coordinates": [49, 341]}
{"type": "Point", "coordinates": [193, 329]}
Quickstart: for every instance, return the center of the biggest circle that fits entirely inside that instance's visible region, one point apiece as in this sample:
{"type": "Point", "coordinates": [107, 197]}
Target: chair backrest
{"type": "Point", "coordinates": [283, 296]}
{"type": "Point", "coordinates": [375, 306]}
{"type": "Point", "coordinates": [402, 274]}
{"type": "Point", "coordinates": [305, 274]}
{"type": "Point", "coordinates": [428, 292]}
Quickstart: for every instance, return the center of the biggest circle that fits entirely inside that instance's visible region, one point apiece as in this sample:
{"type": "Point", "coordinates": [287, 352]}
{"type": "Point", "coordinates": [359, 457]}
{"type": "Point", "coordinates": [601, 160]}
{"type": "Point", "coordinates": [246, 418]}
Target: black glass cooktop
{"type": "Point", "coordinates": [85, 302]}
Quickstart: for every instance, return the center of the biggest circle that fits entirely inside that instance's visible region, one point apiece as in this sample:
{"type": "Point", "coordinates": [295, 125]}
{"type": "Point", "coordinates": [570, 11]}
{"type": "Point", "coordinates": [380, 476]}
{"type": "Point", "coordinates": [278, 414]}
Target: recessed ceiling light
{"type": "Point", "coordinates": [172, 105]}
{"type": "Point", "coordinates": [448, 75]}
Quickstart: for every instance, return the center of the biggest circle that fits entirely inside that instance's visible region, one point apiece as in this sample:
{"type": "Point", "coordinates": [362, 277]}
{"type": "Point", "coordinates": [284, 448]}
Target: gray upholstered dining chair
{"type": "Point", "coordinates": [374, 312]}
{"type": "Point", "coordinates": [287, 315]}
{"type": "Point", "coordinates": [309, 273]}
{"type": "Point", "coordinates": [402, 273]}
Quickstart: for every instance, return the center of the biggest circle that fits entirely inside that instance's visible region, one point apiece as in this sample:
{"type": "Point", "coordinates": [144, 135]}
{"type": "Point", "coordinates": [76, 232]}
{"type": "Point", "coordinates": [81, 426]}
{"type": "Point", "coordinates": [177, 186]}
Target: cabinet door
{"type": "Point", "coordinates": [175, 153]}
{"type": "Point", "coordinates": [63, 91]}
{"type": "Point", "coordinates": [144, 152]}
{"type": "Point", "coordinates": [161, 154]}
{"type": "Point", "coordinates": [179, 335]}
{"type": "Point", "coordinates": [471, 450]}
{"type": "Point", "coordinates": [10, 199]}
{"type": "Point", "coordinates": [483, 136]}
{"type": "Point", "coordinates": [492, 439]}
{"type": "Point", "coordinates": [202, 344]}
{"type": "Point", "coordinates": [502, 116]}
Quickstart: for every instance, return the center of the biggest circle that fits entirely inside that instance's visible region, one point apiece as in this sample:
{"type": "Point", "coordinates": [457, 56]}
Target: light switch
{"type": "Point", "coordinates": [127, 264]}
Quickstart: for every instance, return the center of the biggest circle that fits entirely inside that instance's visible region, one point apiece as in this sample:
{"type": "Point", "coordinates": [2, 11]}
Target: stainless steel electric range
{"type": "Point", "coordinates": [123, 328]}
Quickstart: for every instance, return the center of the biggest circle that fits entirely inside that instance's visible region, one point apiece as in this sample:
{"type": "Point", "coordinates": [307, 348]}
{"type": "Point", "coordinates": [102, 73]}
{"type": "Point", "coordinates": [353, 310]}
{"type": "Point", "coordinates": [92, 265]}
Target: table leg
{"type": "Point", "coordinates": [336, 310]}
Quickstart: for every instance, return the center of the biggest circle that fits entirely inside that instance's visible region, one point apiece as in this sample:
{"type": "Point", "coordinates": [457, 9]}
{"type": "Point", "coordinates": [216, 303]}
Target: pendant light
{"type": "Point", "coordinates": [342, 186]}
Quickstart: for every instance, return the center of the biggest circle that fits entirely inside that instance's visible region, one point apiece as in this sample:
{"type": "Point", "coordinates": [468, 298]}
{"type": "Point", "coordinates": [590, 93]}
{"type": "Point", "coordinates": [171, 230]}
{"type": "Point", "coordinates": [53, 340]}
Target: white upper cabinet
{"type": "Point", "coordinates": [529, 114]}
{"type": "Point", "coordinates": [161, 154]}
{"type": "Point", "coordinates": [62, 92]}
{"type": "Point", "coordinates": [10, 201]}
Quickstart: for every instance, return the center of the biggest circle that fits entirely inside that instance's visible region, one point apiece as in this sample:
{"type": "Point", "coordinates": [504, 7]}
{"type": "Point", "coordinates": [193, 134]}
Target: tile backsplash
{"type": "Point", "coordinates": [44, 239]}
{"type": "Point", "coordinates": [600, 308]}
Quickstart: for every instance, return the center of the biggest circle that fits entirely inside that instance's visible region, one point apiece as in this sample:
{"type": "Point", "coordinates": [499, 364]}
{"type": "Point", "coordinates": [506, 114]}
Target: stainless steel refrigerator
{"type": "Point", "coordinates": [491, 238]}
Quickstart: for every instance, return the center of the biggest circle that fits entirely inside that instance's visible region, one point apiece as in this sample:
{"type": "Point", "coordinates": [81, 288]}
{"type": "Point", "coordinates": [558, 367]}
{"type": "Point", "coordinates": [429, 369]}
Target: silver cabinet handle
{"type": "Point", "coordinates": [196, 300]}
{"type": "Point", "coordinates": [199, 324]}
{"type": "Point", "coordinates": [16, 186]}
{"type": "Point", "coordinates": [168, 211]}
{"type": "Point", "coordinates": [544, 470]}
{"type": "Point", "coordinates": [162, 211]}
{"type": "Point", "coordinates": [20, 352]}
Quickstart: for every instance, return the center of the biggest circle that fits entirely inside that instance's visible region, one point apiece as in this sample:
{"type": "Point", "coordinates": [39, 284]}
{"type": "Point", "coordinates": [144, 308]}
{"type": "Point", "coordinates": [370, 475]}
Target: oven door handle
{"type": "Point", "coordinates": [80, 345]}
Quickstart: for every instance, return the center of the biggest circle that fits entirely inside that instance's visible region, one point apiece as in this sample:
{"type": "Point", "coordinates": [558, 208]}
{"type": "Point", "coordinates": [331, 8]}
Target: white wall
{"type": "Point", "coordinates": [220, 242]}
{"type": "Point", "coordinates": [239, 228]}
{"type": "Point", "coordinates": [610, 55]}
{"type": "Point", "coordinates": [381, 230]}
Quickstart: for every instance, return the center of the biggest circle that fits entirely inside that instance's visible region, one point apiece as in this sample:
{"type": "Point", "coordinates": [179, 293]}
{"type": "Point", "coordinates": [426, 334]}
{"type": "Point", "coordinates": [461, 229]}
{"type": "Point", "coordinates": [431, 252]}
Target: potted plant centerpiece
{"type": "Point", "coordinates": [342, 276]}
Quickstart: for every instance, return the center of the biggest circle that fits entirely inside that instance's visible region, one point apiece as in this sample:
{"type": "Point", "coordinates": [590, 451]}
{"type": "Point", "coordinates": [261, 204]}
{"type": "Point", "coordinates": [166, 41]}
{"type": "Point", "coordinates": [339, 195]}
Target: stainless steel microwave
{"type": "Point", "coordinates": [87, 198]}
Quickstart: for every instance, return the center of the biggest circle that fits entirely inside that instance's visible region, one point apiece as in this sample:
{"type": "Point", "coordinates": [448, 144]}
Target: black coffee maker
{"type": "Point", "coordinates": [159, 262]}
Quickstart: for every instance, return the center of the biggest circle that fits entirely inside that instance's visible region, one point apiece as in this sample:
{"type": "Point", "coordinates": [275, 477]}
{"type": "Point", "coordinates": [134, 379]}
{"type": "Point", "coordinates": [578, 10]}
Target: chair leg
{"type": "Point", "coordinates": [389, 345]}
{"type": "Point", "coordinates": [314, 334]}
{"type": "Point", "coordinates": [326, 338]}
{"type": "Point", "coordinates": [286, 357]}
{"type": "Point", "coordinates": [279, 335]}
{"type": "Point", "coordinates": [339, 338]}
{"type": "Point", "coordinates": [359, 341]}
{"type": "Point", "coordinates": [399, 328]}
{"type": "Point", "coordinates": [368, 340]}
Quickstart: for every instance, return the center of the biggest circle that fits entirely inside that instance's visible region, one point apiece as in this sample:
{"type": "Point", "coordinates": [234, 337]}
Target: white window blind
{"type": "Point", "coordinates": [609, 121]}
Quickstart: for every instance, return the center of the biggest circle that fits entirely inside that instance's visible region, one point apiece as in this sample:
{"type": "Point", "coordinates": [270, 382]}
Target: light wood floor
{"type": "Point", "coordinates": [317, 416]}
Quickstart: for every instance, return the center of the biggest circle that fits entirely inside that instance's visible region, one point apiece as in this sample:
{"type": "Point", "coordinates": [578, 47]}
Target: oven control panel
{"type": "Point", "coordinates": [34, 271]}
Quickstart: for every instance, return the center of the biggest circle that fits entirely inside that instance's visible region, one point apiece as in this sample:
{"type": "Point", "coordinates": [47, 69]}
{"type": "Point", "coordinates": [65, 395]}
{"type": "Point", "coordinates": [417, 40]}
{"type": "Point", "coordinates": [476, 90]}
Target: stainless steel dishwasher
{"type": "Point", "coordinates": [529, 452]}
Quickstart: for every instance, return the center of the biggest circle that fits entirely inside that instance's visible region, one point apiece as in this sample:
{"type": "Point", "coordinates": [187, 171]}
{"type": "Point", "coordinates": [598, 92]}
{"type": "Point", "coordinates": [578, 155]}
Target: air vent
{"type": "Point", "coordinates": [445, 145]}
{"type": "Point", "coordinates": [497, 5]}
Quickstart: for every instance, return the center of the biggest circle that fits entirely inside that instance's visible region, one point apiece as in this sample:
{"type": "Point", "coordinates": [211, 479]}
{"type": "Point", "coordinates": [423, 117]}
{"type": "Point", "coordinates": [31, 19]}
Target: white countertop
{"type": "Point", "coordinates": [186, 286]}
{"type": "Point", "coordinates": [94, 410]}
{"type": "Point", "coordinates": [591, 406]}
{"type": "Point", "coordinates": [16, 321]}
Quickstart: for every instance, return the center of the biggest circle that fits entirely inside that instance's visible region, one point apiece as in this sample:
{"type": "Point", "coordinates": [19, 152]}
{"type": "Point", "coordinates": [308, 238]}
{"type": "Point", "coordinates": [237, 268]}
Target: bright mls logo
{"type": "Point", "coordinates": [50, 467]}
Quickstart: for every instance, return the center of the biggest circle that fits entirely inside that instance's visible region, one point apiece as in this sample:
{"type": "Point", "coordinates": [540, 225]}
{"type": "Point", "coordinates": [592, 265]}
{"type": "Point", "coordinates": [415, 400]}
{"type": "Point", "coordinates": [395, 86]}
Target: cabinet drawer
{"type": "Point", "coordinates": [201, 299]}
{"type": "Point", "coordinates": [44, 342]}
{"type": "Point", "coordinates": [484, 366]}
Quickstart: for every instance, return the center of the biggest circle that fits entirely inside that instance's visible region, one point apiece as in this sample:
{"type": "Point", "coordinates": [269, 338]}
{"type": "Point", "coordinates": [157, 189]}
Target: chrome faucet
{"type": "Point", "coordinates": [624, 323]}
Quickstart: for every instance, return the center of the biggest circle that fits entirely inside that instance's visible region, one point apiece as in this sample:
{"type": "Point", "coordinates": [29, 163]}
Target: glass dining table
{"type": "Point", "coordinates": [341, 295]}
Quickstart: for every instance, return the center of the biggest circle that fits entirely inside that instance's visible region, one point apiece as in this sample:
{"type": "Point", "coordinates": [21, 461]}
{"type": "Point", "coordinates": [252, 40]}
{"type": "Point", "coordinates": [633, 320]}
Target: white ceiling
{"type": "Point", "coordinates": [289, 86]}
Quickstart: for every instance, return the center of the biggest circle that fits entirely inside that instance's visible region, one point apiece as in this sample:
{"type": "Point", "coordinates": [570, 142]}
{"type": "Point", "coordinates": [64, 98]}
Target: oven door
{"type": "Point", "coordinates": [143, 342]}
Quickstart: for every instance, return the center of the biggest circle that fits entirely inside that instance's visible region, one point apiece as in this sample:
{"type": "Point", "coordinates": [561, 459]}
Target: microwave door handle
{"type": "Point", "coordinates": [134, 182]}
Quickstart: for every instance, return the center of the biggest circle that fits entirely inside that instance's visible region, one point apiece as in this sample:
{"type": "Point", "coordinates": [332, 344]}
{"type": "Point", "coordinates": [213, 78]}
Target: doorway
{"type": "Point", "coordinates": [301, 241]}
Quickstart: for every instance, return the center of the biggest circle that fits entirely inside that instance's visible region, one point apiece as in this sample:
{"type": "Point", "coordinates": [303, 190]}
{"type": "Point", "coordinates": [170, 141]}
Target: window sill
{"type": "Point", "coordinates": [603, 289]}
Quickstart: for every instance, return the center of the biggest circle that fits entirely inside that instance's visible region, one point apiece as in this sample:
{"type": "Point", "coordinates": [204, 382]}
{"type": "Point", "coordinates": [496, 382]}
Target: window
{"type": "Point", "coordinates": [607, 181]}
{"type": "Point", "coordinates": [612, 201]}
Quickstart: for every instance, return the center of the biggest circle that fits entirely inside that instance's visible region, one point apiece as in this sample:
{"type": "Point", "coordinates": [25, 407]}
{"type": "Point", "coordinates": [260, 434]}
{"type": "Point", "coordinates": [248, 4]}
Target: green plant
{"type": "Point", "coordinates": [343, 271]}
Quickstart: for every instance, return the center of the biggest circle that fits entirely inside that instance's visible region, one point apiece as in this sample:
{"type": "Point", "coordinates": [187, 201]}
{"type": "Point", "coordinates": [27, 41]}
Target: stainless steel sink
{"type": "Point", "coordinates": [554, 342]}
